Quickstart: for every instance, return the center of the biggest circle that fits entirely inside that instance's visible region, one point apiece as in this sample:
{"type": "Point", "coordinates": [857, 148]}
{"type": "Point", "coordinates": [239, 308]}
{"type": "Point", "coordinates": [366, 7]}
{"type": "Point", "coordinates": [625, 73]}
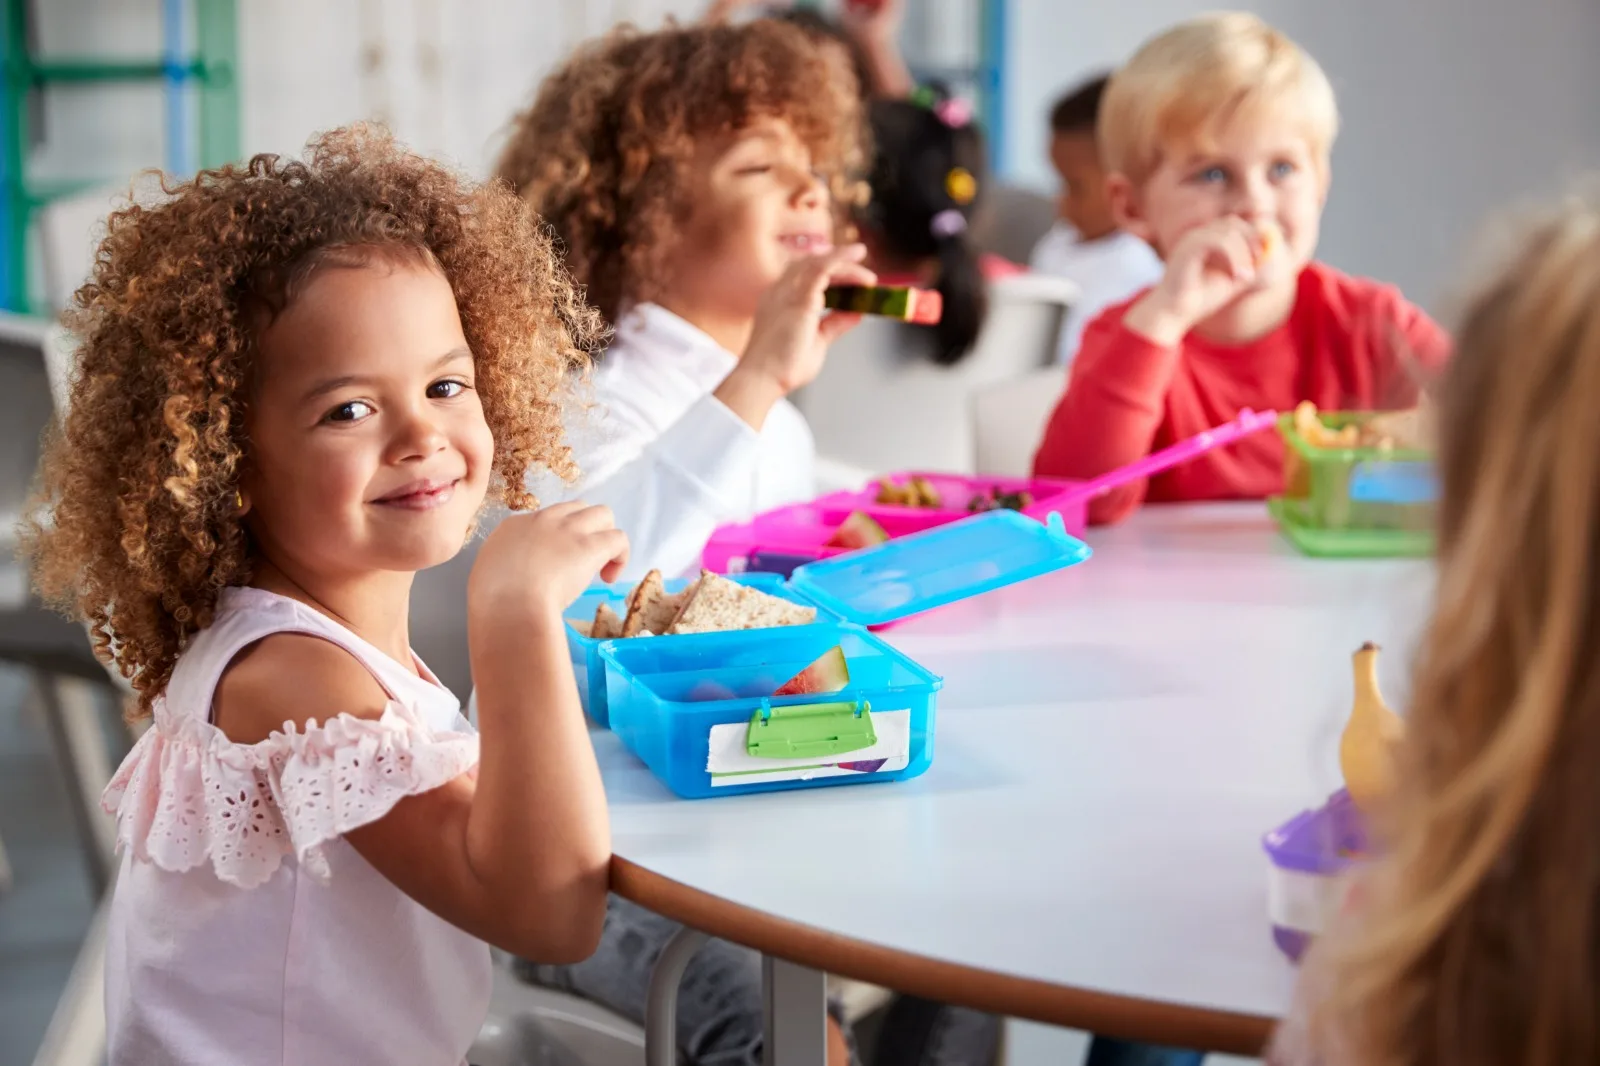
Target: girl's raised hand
{"type": "Point", "coordinates": [534, 566]}
{"type": "Point", "coordinates": [874, 20]}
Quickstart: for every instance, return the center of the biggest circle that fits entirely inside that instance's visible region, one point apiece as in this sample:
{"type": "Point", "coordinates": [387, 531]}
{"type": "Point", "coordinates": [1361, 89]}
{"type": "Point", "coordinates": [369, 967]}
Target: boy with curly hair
{"type": "Point", "coordinates": [698, 179]}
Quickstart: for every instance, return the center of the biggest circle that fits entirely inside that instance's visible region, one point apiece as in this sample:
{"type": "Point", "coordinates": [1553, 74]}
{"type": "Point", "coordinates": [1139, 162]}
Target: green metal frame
{"type": "Point", "coordinates": [212, 70]}
{"type": "Point", "coordinates": [217, 50]}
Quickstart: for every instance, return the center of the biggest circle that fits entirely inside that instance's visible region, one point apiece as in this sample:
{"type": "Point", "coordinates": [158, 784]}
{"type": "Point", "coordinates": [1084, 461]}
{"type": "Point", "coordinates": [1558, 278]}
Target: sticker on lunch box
{"type": "Point", "coordinates": [729, 762]}
{"type": "Point", "coordinates": [1391, 481]}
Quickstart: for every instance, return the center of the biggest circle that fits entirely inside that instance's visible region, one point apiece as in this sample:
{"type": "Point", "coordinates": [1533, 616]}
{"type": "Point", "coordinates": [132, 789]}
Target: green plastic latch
{"type": "Point", "coordinates": [810, 730]}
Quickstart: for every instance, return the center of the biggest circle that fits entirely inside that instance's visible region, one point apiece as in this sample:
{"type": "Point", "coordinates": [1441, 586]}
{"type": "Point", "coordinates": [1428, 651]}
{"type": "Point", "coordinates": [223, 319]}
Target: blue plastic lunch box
{"type": "Point", "coordinates": [585, 651]}
{"type": "Point", "coordinates": [698, 710]}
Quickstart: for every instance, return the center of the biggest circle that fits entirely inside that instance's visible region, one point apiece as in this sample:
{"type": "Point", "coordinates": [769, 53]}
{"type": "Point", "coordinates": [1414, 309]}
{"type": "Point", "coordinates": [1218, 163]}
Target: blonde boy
{"type": "Point", "coordinates": [1218, 134]}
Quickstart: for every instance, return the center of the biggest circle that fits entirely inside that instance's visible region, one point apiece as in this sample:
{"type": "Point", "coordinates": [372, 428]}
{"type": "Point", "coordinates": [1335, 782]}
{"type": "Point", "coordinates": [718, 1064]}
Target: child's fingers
{"type": "Point", "coordinates": [614, 543]}
{"type": "Point", "coordinates": [836, 324]}
{"type": "Point", "coordinates": [593, 519]}
{"type": "Point", "coordinates": [1252, 236]}
{"type": "Point", "coordinates": [1237, 254]}
{"type": "Point", "coordinates": [595, 515]}
{"type": "Point", "coordinates": [849, 253]}
{"type": "Point", "coordinates": [557, 511]}
{"type": "Point", "coordinates": [815, 271]}
{"type": "Point", "coordinates": [850, 274]}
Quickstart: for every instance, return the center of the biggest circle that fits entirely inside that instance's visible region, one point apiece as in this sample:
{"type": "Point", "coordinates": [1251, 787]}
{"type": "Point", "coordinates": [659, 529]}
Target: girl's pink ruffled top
{"type": "Point", "coordinates": [244, 929]}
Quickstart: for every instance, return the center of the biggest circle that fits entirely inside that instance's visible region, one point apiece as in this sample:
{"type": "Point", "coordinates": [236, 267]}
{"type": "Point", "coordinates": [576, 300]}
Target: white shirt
{"type": "Point", "coordinates": [669, 458]}
{"type": "Point", "coordinates": [244, 929]}
{"type": "Point", "coordinates": [1107, 271]}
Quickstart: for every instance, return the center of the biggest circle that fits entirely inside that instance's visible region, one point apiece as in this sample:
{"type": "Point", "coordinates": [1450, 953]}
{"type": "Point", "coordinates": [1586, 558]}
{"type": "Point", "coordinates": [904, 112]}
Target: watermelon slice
{"type": "Point", "coordinates": [860, 530]}
{"type": "Point", "coordinates": [830, 673]}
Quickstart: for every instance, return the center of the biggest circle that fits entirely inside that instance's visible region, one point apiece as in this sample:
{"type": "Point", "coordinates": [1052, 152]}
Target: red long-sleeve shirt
{"type": "Point", "coordinates": [1348, 344]}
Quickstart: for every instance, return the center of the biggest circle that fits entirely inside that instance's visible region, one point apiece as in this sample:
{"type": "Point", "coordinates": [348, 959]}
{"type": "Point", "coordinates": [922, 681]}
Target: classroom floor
{"type": "Point", "coordinates": [44, 915]}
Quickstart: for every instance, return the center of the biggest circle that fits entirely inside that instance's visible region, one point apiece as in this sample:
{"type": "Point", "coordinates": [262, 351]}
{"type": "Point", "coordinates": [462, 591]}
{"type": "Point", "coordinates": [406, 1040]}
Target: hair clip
{"type": "Point", "coordinates": [948, 223]}
{"type": "Point", "coordinates": [961, 186]}
{"type": "Point", "coordinates": [953, 112]}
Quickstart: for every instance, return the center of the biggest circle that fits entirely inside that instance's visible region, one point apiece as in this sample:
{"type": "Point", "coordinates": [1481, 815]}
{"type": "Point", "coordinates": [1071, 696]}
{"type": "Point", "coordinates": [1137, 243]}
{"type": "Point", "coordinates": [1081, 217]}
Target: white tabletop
{"type": "Point", "coordinates": [1112, 742]}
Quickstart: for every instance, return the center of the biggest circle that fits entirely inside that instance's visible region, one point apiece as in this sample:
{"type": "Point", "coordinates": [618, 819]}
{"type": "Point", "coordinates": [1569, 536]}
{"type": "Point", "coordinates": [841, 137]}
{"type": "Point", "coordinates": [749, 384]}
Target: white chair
{"type": "Point", "coordinates": [69, 683]}
{"type": "Point", "coordinates": [1012, 220]}
{"type": "Point", "coordinates": [1009, 420]}
{"type": "Point", "coordinates": [881, 405]}
{"type": "Point", "coordinates": [67, 679]}
{"type": "Point", "coordinates": [531, 1026]}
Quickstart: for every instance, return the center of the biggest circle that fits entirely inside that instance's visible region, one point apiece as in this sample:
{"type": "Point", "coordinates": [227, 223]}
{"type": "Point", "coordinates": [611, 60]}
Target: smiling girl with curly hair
{"type": "Point", "coordinates": [297, 384]}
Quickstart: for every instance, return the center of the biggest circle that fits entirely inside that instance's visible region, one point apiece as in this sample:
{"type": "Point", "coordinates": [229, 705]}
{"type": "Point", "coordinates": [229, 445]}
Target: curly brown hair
{"type": "Point", "coordinates": [604, 153]}
{"type": "Point", "coordinates": [134, 524]}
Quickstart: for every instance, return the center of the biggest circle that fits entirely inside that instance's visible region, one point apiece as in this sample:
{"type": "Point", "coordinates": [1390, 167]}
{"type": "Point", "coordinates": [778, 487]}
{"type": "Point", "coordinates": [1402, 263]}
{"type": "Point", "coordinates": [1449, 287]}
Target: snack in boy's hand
{"type": "Point", "coordinates": [860, 530]}
{"type": "Point", "coordinates": [1269, 240]}
{"type": "Point", "coordinates": [914, 493]}
{"type": "Point", "coordinates": [716, 605]}
{"type": "Point", "coordinates": [920, 306]}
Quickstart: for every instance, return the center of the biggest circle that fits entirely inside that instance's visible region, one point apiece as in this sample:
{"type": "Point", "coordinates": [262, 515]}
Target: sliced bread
{"type": "Point", "coordinates": [650, 608]}
{"type": "Point", "coordinates": [715, 604]}
{"type": "Point", "coordinates": [641, 599]}
{"type": "Point", "coordinates": [607, 626]}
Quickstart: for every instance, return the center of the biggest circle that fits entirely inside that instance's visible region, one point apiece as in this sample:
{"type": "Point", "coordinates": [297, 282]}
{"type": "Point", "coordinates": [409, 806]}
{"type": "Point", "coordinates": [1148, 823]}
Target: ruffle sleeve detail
{"type": "Point", "coordinates": [186, 795]}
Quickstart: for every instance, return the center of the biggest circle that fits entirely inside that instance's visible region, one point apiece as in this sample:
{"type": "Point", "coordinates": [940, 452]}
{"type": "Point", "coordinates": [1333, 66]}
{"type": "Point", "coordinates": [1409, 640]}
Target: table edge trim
{"type": "Point", "coordinates": [1128, 1017]}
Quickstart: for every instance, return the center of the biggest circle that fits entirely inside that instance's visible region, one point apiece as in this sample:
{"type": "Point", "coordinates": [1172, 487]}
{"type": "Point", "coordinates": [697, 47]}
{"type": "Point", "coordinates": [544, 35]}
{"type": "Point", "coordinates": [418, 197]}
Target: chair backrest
{"type": "Point", "coordinates": [1012, 221]}
{"type": "Point", "coordinates": [24, 413]}
{"type": "Point", "coordinates": [1009, 420]}
{"type": "Point", "coordinates": [881, 405]}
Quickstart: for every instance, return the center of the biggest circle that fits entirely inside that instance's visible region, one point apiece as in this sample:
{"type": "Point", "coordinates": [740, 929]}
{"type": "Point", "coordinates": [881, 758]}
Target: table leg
{"type": "Point", "coordinates": [661, 1003]}
{"type": "Point", "coordinates": [796, 1000]}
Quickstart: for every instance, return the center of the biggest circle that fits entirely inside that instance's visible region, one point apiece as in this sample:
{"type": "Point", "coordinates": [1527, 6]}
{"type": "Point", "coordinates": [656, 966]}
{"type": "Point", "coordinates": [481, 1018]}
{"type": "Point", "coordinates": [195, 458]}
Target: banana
{"type": "Point", "coordinates": [1367, 748]}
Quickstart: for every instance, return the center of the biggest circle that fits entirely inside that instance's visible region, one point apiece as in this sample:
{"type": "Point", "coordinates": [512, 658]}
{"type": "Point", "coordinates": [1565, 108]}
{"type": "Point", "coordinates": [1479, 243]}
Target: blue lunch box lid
{"type": "Point", "coordinates": [938, 566]}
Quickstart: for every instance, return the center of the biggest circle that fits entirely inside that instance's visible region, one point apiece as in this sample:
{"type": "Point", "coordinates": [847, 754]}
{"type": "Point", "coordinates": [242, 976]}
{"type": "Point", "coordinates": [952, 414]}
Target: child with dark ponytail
{"type": "Point", "coordinates": [927, 182]}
